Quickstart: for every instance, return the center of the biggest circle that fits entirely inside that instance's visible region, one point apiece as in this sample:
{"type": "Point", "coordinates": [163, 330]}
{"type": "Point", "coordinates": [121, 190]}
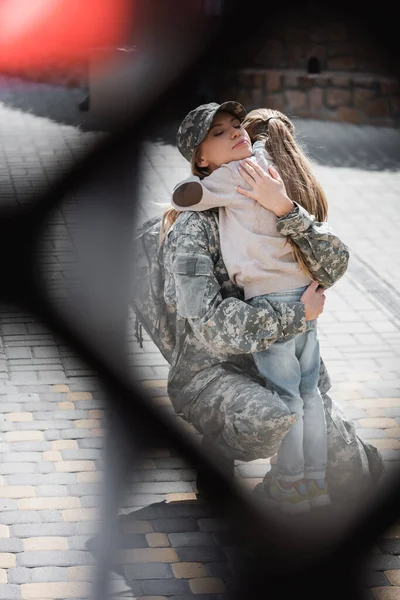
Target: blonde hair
{"type": "Point", "coordinates": [292, 164]}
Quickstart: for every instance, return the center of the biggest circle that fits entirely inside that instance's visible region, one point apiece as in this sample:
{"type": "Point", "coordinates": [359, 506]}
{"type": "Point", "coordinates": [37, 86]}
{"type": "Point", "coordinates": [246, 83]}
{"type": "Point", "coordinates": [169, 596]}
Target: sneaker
{"type": "Point", "coordinates": [294, 500]}
{"type": "Point", "coordinates": [318, 493]}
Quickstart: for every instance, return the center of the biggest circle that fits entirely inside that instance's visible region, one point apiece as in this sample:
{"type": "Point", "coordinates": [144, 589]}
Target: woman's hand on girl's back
{"type": "Point", "coordinates": [267, 187]}
{"type": "Point", "coordinates": [314, 300]}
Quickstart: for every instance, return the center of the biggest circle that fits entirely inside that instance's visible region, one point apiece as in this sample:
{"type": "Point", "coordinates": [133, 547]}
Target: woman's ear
{"type": "Point", "coordinates": [202, 162]}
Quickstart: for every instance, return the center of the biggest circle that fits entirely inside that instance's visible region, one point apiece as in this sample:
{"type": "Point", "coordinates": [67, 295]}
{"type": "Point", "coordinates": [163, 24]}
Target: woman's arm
{"type": "Point", "coordinates": [327, 257]}
{"type": "Point", "coordinates": [217, 189]}
{"type": "Point", "coordinates": [227, 326]}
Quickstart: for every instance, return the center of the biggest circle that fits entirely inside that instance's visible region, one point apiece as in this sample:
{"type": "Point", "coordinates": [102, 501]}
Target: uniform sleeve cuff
{"type": "Point", "coordinates": [296, 222]}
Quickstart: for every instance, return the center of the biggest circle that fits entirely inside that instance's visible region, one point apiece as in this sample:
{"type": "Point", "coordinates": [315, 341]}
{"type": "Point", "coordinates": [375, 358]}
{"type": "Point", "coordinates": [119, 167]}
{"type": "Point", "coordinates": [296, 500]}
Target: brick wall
{"type": "Point", "coordinates": [351, 97]}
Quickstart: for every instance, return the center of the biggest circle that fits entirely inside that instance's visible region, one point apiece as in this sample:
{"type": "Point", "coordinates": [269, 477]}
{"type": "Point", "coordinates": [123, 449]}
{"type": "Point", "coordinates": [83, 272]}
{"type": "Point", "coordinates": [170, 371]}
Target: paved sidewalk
{"type": "Point", "coordinates": [53, 423]}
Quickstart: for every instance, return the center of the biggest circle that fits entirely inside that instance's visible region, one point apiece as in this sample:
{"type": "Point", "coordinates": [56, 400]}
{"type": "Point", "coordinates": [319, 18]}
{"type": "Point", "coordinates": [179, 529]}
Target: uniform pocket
{"type": "Point", "coordinates": [193, 276]}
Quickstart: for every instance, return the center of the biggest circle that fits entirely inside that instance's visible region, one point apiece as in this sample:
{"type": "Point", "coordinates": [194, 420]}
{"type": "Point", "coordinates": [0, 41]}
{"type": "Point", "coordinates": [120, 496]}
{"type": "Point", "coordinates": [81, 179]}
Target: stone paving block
{"type": "Point", "coordinates": [66, 406]}
{"type": "Point", "coordinates": [74, 466]}
{"type": "Point", "coordinates": [24, 376]}
{"type": "Point", "coordinates": [79, 542]}
{"type": "Point", "coordinates": [10, 545]}
{"type": "Point", "coordinates": [91, 501]}
{"type": "Point", "coordinates": [10, 407]}
{"type": "Point", "coordinates": [148, 571]}
{"type": "Point", "coordinates": [171, 463]}
{"type": "Point", "coordinates": [52, 490]}
{"type": "Point", "coordinates": [157, 540]}
{"type": "Point", "coordinates": [80, 514]}
{"type": "Point", "coordinates": [88, 527]}
{"type": "Point", "coordinates": [15, 491]}
{"type": "Point", "coordinates": [41, 446]}
{"type": "Point", "coordinates": [191, 539]}
{"type": "Point", "coordinates": [52, 434]}
{"type": "Point", "coordinates": [189, 570]}
{"type": "Point", "coordinates": [50, 591]}
{"type": "Point", "coordinates": [91, 443]}
{"type": "Point", "coordinates": [45, 352]}
{"type": "Point", "coordinates": [80, 573]}
{"type": "Point", "coordinates": [52, 424]}
{"type": "Point", "coordinates": [75, 434]}
{"type": "Point", "coordinates": [136, 526]}
{"type": "Point", "coordinates": [85, 489]}
{"type": "Point", "coordinates": [19, 416]}
{"type": "Point", "coordinates": [35, 544]}
{"type": "Point", "coordinates": [80, 395]}
{"type": "Point", "coordinates": [64, 445]}
{"type": "Point", "coordinates": [4, 531]}
{"type": "Point", "coordinates": [7, 560]}
{"type": "Point", "coordinates": [43, 529]}
{"type": "Point", "coordinates": [19, 575]}
{"type": "Point", "coordinates": [21, 457]}
{"type": "Point", "coordinates": [22, 352]}
{"type": "Point", "coordinates": [10, 592]}
{"type": "Point", "coordinates": [65, 558]}
{"type": "Point", "coordinates": [80, 454]}
{"type": "Point", "coordinates": [52, 456]}
{"type": "Point", "coordinates": [165, 586]}
{"type": "Point", "coordinates": [44, 467]}
{"type": "Point", "coordinates": [175, 525]}
{"type": "Point", "coordinates": [7, 504]}
{"type": "Point", "coordinates": [42, 479]}
{"type": "Point", "coordinates": [163, 487]}
{"type": "Point", "coordinates": [207, 585]}
{"type": "Point", "coordinates": [47, 574]}
{"type": "Point", "coordinates": [12, 517]}
{"type": "Point", "coordinates": [158, 475]}
{"type": "Point", "coordinates": [146, 555]}
{"type": "Point", "coordinates": [56, 415]}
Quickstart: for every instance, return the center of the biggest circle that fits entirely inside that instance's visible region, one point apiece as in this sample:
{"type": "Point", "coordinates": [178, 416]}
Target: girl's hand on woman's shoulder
{"type": "Point", "coordinates": [267, 187]}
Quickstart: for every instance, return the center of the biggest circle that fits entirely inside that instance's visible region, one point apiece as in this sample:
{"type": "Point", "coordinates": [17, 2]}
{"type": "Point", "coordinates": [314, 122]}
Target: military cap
{"type": "Point", "coordinates": [197, 123]}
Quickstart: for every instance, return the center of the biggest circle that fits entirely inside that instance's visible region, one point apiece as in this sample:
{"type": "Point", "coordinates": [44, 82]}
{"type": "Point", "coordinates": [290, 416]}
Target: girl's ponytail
{"type": "Point", "coordinates": [291, 162]}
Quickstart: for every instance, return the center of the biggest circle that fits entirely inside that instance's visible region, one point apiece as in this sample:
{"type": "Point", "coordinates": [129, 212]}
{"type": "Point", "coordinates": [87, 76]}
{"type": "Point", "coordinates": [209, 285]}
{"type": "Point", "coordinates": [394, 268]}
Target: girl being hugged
{"type": "Point", "coordinates": [266, 264]}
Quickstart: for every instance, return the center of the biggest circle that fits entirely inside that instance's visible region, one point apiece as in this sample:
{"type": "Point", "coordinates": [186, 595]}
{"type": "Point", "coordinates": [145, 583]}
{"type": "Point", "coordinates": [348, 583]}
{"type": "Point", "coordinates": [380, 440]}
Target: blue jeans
{"type": "Point", "coordinates": [291, 368]}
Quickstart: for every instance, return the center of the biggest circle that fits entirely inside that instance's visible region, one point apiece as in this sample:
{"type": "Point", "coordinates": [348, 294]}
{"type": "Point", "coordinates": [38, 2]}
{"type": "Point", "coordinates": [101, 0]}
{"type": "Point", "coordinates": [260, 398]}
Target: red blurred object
{"type": "Point", "coordinates": [34, 31]}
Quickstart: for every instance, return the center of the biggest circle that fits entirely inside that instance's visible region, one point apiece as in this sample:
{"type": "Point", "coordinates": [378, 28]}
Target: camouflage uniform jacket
{"type": "Point", "coordinates": [215, 329]}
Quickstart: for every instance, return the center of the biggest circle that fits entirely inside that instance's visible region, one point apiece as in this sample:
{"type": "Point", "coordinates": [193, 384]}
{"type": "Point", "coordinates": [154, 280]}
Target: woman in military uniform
{"type": "Point", "coordinates": [213, 381]}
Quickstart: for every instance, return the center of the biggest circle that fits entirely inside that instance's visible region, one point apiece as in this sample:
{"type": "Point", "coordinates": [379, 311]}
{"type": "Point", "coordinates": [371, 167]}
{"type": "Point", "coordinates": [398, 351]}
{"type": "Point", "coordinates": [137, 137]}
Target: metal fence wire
{"type": "Point", "coordinates": [315, 558]}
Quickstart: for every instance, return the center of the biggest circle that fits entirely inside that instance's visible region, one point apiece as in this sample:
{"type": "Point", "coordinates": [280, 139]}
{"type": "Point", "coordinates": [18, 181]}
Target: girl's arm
{"type": "Point", "coordinates": [327, 257]}
{"type": "Point", "coordinates": [225, 325]}
{"type": "Point", "coordinates": [217, 189]}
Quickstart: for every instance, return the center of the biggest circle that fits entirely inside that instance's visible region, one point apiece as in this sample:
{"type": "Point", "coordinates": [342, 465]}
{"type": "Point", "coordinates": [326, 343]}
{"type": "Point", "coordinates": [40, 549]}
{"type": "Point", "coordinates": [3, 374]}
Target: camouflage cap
{"type": "Point", "coordinates": [197, 123]}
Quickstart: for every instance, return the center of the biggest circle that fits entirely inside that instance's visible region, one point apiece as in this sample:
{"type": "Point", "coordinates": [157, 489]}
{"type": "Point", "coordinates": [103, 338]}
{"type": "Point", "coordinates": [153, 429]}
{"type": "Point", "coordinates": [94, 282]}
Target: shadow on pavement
{"type": "Point", "coordinates": [197, 535]}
